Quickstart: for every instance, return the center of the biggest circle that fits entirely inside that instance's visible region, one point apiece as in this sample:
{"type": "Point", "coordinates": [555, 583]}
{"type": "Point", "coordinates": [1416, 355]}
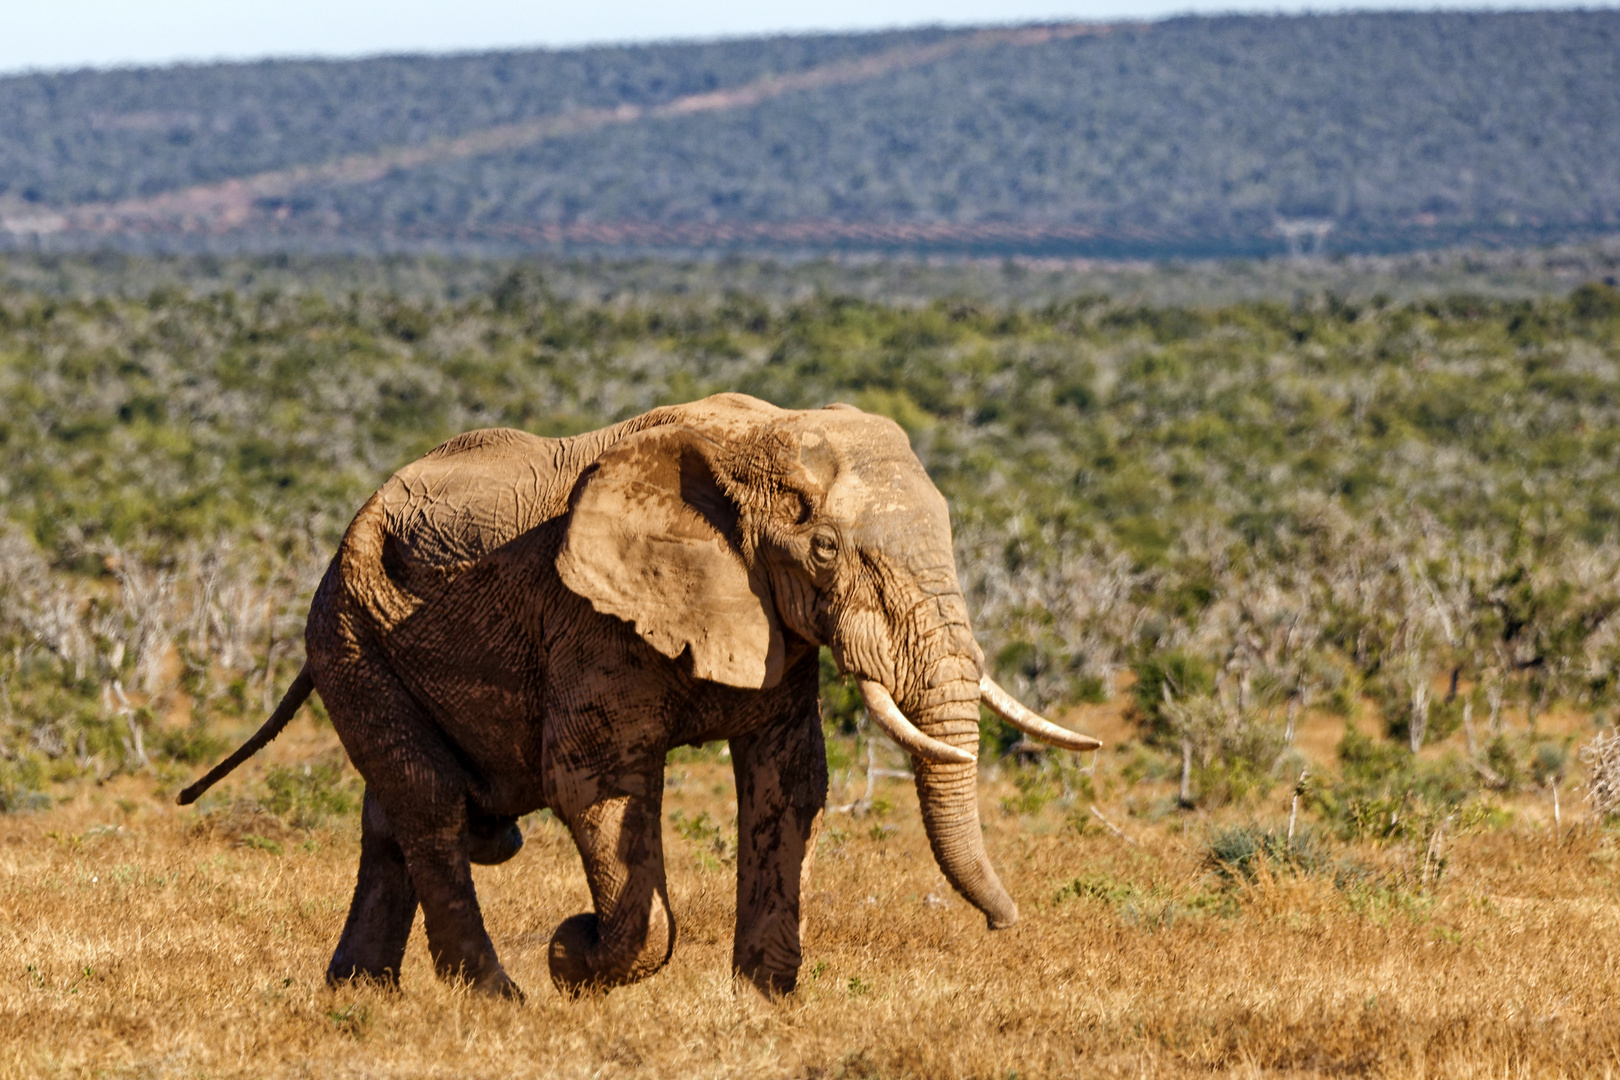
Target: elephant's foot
{"type": "Point", "coordinates": [771, 984]}
{"type": "Point", "coordinates": [492, 841]}
{"type": "Point", "coordinates": [497, 984]}
{"type": "Point", "coordinates": [766, 951]}
{"type": "Point", "coordinates": [581, 962]}
{"type": "Point", "coordinates": [373, 943]}
{"type": "Point", "coordinates": [571, 945]}
{"type": "Point", "coordinates": [488, 980]}
{"type": "Point", "coordinates": [343, 972]}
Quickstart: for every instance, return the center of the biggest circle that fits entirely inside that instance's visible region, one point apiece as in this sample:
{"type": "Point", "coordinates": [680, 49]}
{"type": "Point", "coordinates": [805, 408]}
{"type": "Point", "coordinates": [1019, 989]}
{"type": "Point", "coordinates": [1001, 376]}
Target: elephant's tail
{"type": "Point", "coordinates": [296, 695]}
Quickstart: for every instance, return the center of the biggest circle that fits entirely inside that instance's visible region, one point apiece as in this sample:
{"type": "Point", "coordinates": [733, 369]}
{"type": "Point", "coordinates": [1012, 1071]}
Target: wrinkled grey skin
{"type": "Point", "coordinates": [513, 623]}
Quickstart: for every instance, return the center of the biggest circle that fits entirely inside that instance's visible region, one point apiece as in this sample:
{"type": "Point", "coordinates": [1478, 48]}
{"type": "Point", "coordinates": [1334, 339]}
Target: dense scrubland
{"type": "Point", "coordinates": [1019, 282]}
{"type": "Point", "coordinates": [1336, 579]}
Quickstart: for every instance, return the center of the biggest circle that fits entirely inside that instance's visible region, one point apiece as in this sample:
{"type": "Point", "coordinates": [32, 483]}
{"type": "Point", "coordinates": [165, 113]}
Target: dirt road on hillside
{"type": "Point", "coordinates": [232, 204]}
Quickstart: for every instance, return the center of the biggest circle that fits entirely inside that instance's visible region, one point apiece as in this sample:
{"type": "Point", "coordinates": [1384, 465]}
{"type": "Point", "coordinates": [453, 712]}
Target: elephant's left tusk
{"type": "Point", "coordinates": [1008, 708]}
{"type": "Point", "coordinates": [880, 704]}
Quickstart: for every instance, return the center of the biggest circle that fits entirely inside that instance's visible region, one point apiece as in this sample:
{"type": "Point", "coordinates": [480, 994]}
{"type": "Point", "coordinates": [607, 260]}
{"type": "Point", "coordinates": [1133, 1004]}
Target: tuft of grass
{"type": "Point", "coordinates": [353, 1021]}
{"type": "Point", "coordinates": [260, 843]}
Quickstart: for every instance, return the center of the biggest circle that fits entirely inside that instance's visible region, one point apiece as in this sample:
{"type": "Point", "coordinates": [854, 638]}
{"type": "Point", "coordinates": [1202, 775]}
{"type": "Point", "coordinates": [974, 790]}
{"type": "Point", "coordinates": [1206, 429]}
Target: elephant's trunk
{"type": "Point", "coordinates": [934, 666]}
{"type": "Point", "coordinates": [948, 793]}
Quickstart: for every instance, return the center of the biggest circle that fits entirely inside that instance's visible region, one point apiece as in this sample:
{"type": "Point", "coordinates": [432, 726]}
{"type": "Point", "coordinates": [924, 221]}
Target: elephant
{"type": "Point", "coordinates": [513, 622]}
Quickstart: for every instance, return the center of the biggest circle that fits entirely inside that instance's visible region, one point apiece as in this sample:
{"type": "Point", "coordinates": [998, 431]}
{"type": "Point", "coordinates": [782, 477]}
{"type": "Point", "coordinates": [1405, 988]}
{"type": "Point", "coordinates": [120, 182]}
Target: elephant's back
{"type": "Point", "coordinates": [482, 489]}
{"type": "Point", "coordinates": [473, 494]}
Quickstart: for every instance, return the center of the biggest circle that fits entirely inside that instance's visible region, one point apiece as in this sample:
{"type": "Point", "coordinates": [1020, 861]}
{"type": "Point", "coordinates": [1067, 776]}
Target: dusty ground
{"type": "Point", "coordinates": [134, 942]}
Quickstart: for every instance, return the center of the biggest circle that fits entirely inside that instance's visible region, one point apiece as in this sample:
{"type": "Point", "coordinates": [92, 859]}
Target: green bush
{"type": "Point", "coordinates": [841, 704]}
{"type": "Point", "coordinates": [716, 846]}
{"type": "Point", "coordinates": [1182, 674]}
{"type": "Point", "coordinates": [192, 745]}
{"type": "Point", "coordinates": [1238, 852]}
{"type": "Point", "coordinates": [1151, 907]}
{"type": "Point", "coordinates": [1595, 301]}
{"type": "Point", "coordinates": [20, 784]}
{"type": "Point", "coordinates": [1382, 792]}
{"type": "Point", "coordinates": [1035, 790]}
{"type": "Point", "coordinates": [306, 795]}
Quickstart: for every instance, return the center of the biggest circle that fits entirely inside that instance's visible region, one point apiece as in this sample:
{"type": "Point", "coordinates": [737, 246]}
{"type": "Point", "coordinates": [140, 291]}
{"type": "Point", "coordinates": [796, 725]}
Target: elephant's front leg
{"type": "Point", "coordinates": [632, 932]}
{"type": "Point", "coordinates": [781, 773]}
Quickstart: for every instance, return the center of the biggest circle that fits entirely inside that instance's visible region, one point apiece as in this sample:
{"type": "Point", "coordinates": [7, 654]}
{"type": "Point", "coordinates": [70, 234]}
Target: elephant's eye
{"type": "Point", "coordinates": [823, 546]}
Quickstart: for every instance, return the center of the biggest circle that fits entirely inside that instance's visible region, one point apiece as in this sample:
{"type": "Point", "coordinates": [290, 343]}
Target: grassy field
{"type": "Point", "coordinates": [145, 940]}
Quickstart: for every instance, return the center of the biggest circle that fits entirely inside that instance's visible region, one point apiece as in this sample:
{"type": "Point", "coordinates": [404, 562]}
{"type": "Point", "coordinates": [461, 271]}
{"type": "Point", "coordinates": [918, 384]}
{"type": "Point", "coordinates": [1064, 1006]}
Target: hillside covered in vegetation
{"type": "Point", "coordinates": [1191, 136]}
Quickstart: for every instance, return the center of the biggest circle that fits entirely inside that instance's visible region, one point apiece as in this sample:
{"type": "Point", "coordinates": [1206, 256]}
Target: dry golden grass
{"type": "Point", "coordinates": [136, 944]}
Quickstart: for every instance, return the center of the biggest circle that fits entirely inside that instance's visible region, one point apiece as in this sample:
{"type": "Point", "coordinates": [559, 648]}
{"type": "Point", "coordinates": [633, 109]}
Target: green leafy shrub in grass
{"type": "Point", "coordinates": [1035, 791]}
{"type": "Point", "coordinates": [1595, 302]}
{"type": "Point", "coordinates": [1238, 852]}
{"type": "Point", "coordinates": [1548, 760]}
{"type": "Point", "coordinates": [996, 736]}
{"type": "Point", "coordinates": [1150, 907]}
{"type": "Point", "coordinates": [20, 783]}
{"type": "Point", "coordinates": [1163, 678]}
{"type": "Point", "coordinates": [306, 795]}
{"type": "Point", "coordinates": [1231, 754]}
{"type": "Point", "coordinates": [1383, 793]}
{"type": "Point", "coordinates": [841, 703]}
{"type": "Point", "coordinates": [1442, 719]}
{"type": "Point", "coordinates": [1239, 776]}
{"type": "Point", "coordinates": [190, 745]}
{"type": "Point", "coordinates": [717, 846]}
{"type": "Point", "coordinates": [1505, 763]}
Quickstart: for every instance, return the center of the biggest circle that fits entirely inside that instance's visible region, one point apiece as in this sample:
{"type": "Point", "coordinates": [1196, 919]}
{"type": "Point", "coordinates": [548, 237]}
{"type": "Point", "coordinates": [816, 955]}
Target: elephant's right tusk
{"type": "Point", "coordinates": [880, 704]}
{"type": "Point", "coordinates": [1009, 709]}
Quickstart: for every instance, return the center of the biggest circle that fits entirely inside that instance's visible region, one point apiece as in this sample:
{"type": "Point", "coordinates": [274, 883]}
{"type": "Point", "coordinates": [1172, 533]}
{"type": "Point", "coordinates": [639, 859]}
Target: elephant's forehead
{"type": "Point", "coordinates": [880, 494]}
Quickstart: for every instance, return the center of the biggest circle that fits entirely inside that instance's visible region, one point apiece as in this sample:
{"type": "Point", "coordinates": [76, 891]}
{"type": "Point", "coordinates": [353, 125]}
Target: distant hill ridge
{"type": "Point", "coordinates": [1195, 136]}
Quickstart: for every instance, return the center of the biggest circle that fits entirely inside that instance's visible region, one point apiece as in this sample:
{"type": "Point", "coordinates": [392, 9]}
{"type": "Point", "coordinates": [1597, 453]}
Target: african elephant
{"type": "Point", "coordinates": [514, 622]}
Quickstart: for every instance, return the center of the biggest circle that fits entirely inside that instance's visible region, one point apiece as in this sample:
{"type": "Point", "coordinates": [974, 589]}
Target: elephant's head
{"type": "Point", "coordinates": [731, 524]}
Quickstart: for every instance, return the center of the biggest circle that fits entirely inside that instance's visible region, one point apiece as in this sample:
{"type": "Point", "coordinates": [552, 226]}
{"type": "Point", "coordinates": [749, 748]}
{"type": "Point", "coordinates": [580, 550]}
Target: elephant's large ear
{"type": "Point", "coordinates": [653, 541]}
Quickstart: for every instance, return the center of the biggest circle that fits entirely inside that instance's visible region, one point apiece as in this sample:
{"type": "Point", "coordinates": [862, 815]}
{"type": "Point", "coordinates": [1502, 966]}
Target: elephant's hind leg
{"type": "Point", "coordinates": [632, 932]}
{"type": "Point", "coordinates": [384, 905]}
{"type": "Point", "coordinates": [422, 791]}
{"type": "Point", "coordinates": [457, 941]}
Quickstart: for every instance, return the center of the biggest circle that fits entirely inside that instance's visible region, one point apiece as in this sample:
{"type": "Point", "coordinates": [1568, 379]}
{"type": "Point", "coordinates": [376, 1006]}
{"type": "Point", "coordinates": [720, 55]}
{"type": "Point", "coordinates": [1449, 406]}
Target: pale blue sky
{"type": "Point", "coordinates": [56, 34]}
